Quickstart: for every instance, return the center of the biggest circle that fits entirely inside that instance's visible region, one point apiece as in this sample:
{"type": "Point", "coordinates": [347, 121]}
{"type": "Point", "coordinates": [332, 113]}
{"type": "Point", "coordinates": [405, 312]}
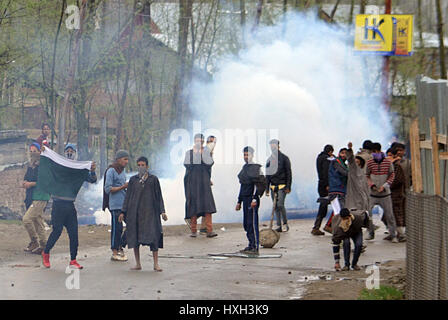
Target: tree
{"type": "Point", "coordinates": [441, 44]}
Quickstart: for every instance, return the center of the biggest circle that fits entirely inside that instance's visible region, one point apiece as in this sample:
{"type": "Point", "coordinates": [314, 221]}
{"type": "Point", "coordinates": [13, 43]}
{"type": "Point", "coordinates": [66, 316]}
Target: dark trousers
{"type": "Point", "coordinates": [116, 231]}
{"type": "Point", "coordinates": [357, 240]}
{"type": "Point", "coordinates": [323, 206]}
{"type": "Point", "coordinates": [250, 223]}
{"type": "Point", "coordinates": [63, 214]}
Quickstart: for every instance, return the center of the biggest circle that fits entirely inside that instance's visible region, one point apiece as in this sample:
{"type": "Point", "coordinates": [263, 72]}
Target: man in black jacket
{"type": "Point", "coordinates": [279, 179]}
{"type": "Point", "coordinates": [250, 178]}
{"type": "Point", "coordinates": [322, 164]}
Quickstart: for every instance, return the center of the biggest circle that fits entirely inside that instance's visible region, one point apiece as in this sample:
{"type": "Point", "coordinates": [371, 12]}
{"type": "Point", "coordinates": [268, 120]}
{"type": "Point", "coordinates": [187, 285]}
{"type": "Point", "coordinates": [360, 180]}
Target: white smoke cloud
{"type": "Point", "coordinates": [302, 84]}
{"type": "Point", "coordinates": [306, 83]}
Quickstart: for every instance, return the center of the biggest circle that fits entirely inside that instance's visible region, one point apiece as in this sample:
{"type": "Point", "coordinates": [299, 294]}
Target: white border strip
{"type": "Point", "coordinates": [63, 161]}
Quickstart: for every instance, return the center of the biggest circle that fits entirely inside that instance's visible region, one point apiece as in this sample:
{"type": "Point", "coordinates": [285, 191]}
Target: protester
{"type": "Point", "coordinates": [115, 187]}
{"type": "Point", "coordinates": [250, 178]}
{"type": "Point", "coordinates": [199, 199]}
{"type": "Point", "coordinates": [322, 164]}
{"type": "Point", "coordinates": [357, 196]}
{"type": "Point", "coordinates": [42, 140]}
{"type": "Point", "coordinates": [397, 189]}
{"type": "Point", "coordinates": [279, 180]}
{"type": "Point", "coordinates": [346, 225]}
{"type": "Point", "coordinates": [337, 182]}
{"type": "Point", "coordinates": [142, 207]}
{"type": "Point", "coordinates": [35, 203]}
{"type": "Point", "coordinates": [63, 178]}
{"type": "Point", "coordinates": [404, 163]}
{"type": "Point", "coordinates": [366, 151]}
{"type": "Point", "coordinates": [380, 175]}
{"type": "Point", "coordinates": [208, 158]}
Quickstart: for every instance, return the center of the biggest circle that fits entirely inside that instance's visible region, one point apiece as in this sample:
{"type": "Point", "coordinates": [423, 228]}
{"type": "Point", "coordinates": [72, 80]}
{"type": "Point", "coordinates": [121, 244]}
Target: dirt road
{"type": "Point", "coordinates": [188, 271]}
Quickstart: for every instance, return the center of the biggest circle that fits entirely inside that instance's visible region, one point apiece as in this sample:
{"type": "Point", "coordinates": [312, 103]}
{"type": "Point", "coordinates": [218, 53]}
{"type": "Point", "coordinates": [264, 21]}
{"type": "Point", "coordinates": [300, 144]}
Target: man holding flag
{"type": "Point", "coordinates": [62, 177]}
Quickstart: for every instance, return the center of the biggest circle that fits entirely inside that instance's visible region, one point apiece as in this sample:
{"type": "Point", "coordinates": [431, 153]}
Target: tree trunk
{"type": "Point", "coordinates": [352, 7]}
{"type": "Point", "coordinates": [419, 23]}
{"type": "Point", "coordinates": [84, 84]}
{"type": "Point", "coordinates": [147, 61]}
{"type": "Point", "coordinates": [103, 147]}
{"type": "Point", "coordinates": [53, 66]}
{"type": "Point", "coordinates": [180, 96]}
{"type": "Point", "coordinates": [258, 15]}
{"type": "Point", "coordinates": [441, 44]}
{"type": "Point", "coordinates": [335, 8]}
{"type": "Point", "coordinates": [122, 102]}
{"type": "Point", "coordinates": [70, 79]}
{"type": "Point", "coordinates": [362, 9]}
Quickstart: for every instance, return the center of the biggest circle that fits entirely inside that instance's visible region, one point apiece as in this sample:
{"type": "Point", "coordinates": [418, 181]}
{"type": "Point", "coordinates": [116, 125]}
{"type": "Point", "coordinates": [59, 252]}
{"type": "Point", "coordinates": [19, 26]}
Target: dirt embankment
{"type": "Point", "coordinates": [347, 285]}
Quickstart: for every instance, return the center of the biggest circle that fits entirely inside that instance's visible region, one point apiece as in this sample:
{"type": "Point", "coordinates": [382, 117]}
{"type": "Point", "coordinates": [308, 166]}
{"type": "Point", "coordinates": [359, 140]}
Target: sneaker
{"type": "Point", "coordinates": [317, 232]}
{"type": "Point", "coordinates": [356, 267]}
{"type": "Point", "coordinates": [38, 250]}
{"type": "Point", "coordinates": [75, 265]}
{"type": "Point", "coordinates": [31, 246]}
{"type": "Point", "coordinates": [346, 268]}
{"type": "Point", "coordinates": [402, 239]}
{"type": "Point", "coordinates": [388, 238]}
{"type": "Point", "coordinates": [363, 248]}
{"type": "Point", "coordinates": [287, 227]}
{"type": "Point", "coordinates": [395, 240]}
{"type": "Point", "coordinates": [370, 237]}
{"type": "Point", "coordinates": [328, 229]}
{"type": "Point", "coordinates": [202, 231]}
{"type": "Point", "coordinates": [337, 266]}
{"type": "Point", "coordinates": [245, 250]}
{"type": "Point", "coordinates": [253, 251]}
{"type": "Point", "coordinates": [279, 229]}
{"type": "Point", "coordinates": [46, 259]}
{"type": "Point", "coordinates": [194, 234]}
{"type": "Point", "coordinates": [212, 234]}
{"type": "Point", "coordinates": [118, 258]}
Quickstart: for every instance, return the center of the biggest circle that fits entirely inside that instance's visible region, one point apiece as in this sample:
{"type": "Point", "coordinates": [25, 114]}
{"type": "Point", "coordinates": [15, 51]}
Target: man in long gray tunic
{"type": "Point", "coordinates": [199, 201]}
{"type": "Point", "coordinates": [357, 187]}
{"type": "Point", "coordinates": [142, 208]}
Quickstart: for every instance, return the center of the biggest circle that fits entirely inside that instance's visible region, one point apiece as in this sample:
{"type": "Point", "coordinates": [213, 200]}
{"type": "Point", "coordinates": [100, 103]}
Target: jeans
{"type": "Point", "coordinates": [341, 199]}
{"type": "Point", "coordinates": [116, 232]}
{"type": "Point", "coordinates": [323, 206]}
{"type": "Point", "coordinates": [357, 240]}
{"type": "Point", "coordinates": [250, 223]}
{"type": "Point", "coordinates": [280, 209]}
{"type": "Point", "coordinates": [63, 214]}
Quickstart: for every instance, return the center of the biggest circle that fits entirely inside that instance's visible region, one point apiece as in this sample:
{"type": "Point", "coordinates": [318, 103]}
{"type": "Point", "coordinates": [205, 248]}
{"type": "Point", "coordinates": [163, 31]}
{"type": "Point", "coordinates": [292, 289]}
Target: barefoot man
{"type": "Point", "coordinates": [142, 208]}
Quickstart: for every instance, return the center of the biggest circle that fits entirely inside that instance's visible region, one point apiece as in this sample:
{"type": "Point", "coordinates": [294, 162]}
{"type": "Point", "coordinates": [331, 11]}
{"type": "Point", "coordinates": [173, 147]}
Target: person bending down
{"type": "Point", "coordinates": [347, 225]}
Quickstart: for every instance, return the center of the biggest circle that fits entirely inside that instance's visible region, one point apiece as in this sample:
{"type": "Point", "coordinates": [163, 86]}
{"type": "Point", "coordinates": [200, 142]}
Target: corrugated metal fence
{"type": "Point", "coordinates": [426, 247]}
{"type": "Point", "coordinates": [427, 213]}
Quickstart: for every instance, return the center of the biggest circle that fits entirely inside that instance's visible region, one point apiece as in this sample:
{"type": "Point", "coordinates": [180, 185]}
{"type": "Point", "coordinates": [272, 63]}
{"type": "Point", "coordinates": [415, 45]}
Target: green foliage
{"type": "Point", "coordinates": [383, 293]}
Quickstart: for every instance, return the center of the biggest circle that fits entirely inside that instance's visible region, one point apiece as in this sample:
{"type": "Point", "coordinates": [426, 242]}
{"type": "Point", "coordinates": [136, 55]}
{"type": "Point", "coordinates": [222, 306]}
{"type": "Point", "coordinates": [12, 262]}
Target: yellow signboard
{"type": "Point", "coordinates": [384, 34]}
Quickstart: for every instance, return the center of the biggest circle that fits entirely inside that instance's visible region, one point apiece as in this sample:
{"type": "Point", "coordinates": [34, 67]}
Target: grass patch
{"type": "Point", "coordinates": [383, 293]}
{"type": "Point", "coordinates": [18, 222]}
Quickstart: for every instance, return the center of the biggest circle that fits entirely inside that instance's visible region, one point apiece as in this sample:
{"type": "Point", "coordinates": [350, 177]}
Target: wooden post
{"type": "Point", "coordinates": [416, 166]}
{"type": "Point", "coordinates": [435, 156]}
